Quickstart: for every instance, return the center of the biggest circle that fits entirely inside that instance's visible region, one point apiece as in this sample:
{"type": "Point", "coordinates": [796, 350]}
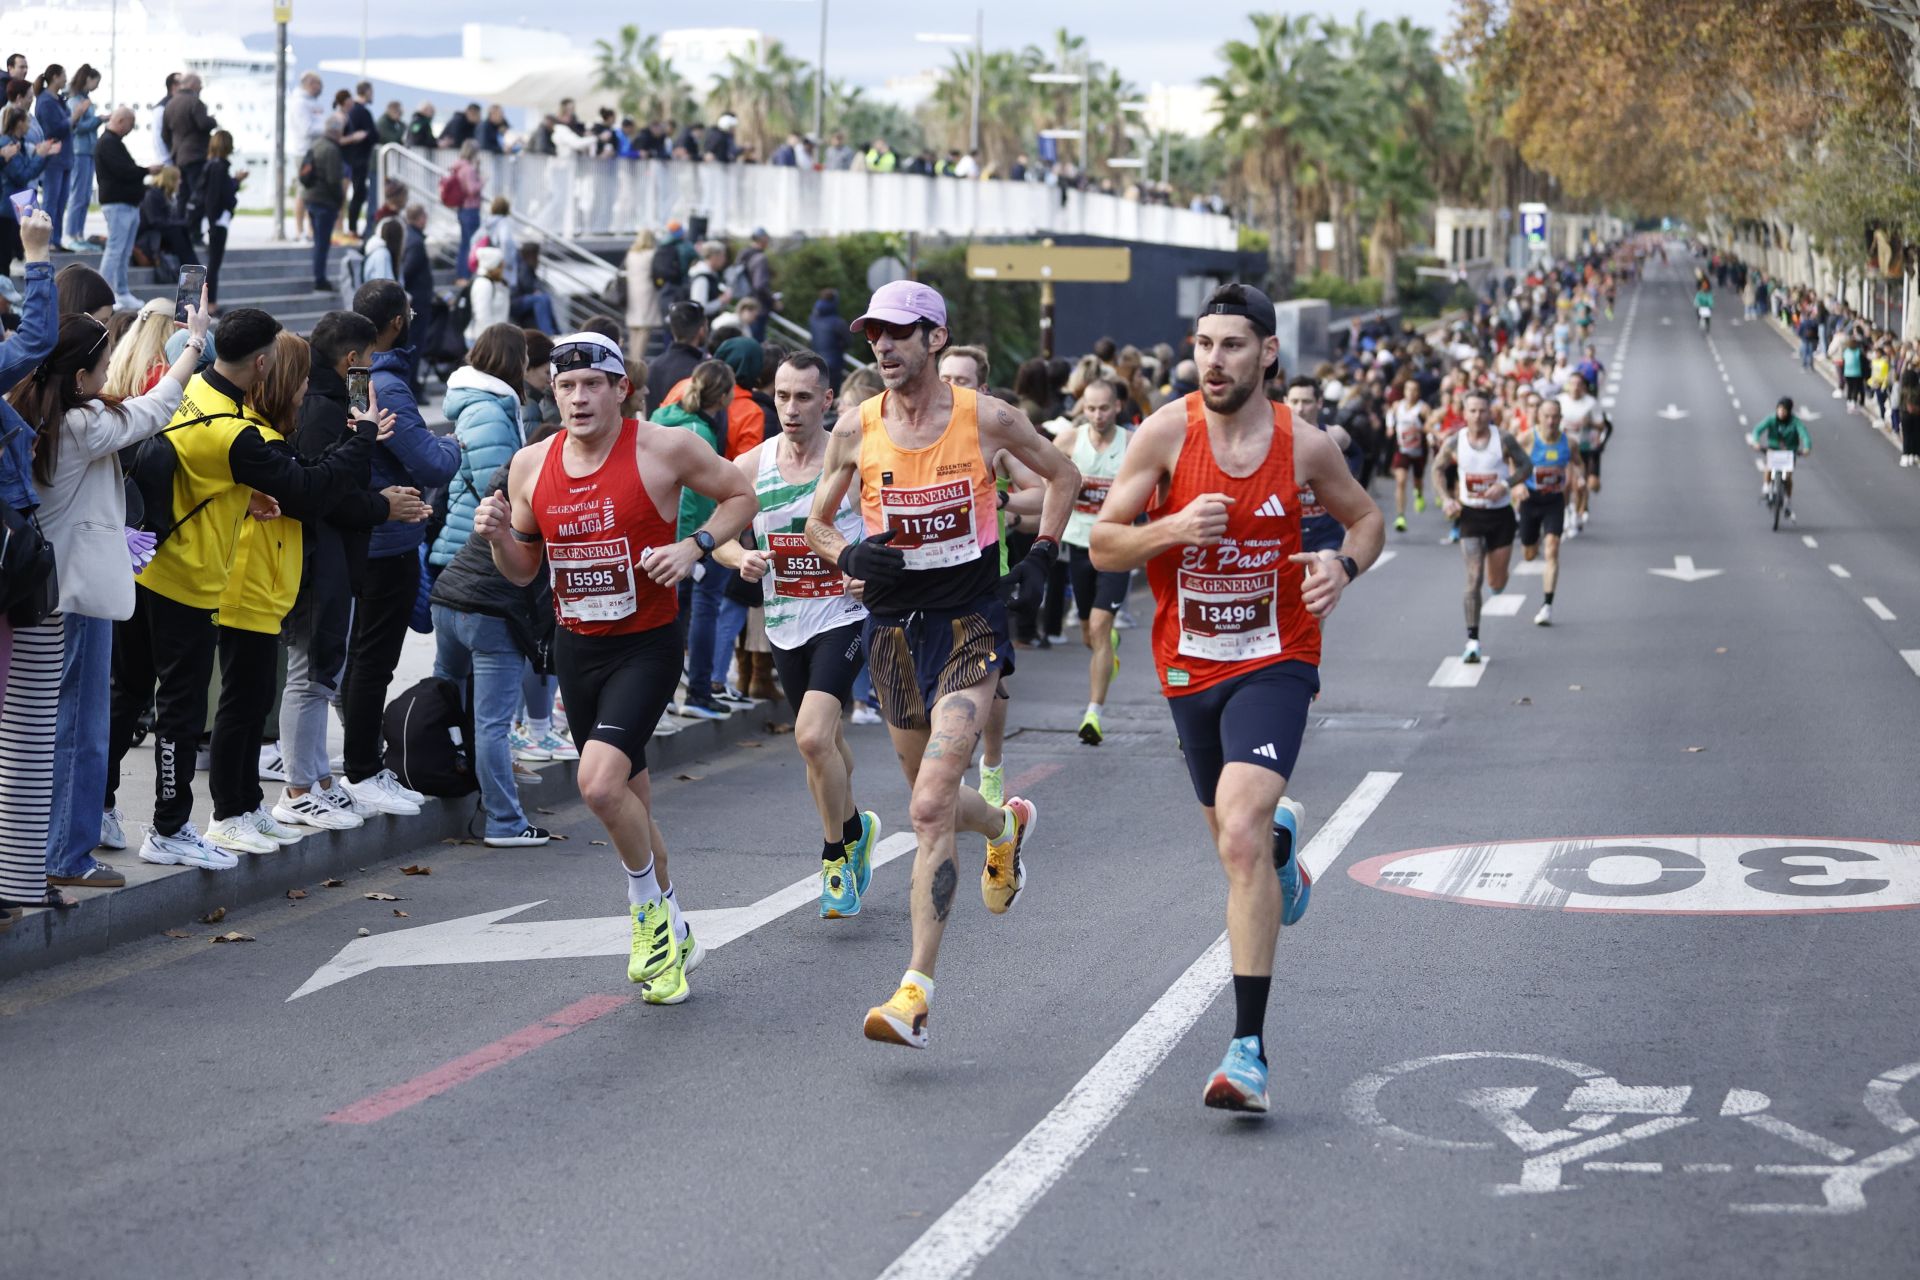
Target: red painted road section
{"type": "Point", "coordinates": [389, 1102]}
{"type": "Point", "coordinates": [1028, 778]}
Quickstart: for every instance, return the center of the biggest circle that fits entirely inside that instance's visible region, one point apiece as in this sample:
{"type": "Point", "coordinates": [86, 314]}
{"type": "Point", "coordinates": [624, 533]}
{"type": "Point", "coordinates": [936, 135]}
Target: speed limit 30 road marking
{"type": "Point", "coordinates": [1659, 875]}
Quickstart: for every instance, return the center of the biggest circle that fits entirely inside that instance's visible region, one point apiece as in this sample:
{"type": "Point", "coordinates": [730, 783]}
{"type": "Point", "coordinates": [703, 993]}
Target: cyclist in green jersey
{"type": "Point", "coordinates": [1781, 430]}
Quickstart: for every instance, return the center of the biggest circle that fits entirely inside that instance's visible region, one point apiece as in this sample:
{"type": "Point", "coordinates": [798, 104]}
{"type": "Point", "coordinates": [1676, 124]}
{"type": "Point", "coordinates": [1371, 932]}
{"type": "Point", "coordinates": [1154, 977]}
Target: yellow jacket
{"type": "Point", "coordinates": [265, 576]}
{"type": "Point", "coordinates": [191, 566]}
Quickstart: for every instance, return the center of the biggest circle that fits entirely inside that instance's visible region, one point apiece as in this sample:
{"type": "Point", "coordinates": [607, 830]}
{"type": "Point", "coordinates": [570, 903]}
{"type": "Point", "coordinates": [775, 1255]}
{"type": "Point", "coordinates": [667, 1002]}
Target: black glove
{"type": "Point", "coordinates": [1026, 582]}
{"type": "Point", "coordinates": [874, 562]}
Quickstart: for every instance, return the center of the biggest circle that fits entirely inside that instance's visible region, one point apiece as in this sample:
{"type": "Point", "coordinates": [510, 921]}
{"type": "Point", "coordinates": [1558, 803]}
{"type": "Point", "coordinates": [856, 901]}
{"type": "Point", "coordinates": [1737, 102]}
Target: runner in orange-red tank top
{"type": "Point", "coordinates": [1236, 631]}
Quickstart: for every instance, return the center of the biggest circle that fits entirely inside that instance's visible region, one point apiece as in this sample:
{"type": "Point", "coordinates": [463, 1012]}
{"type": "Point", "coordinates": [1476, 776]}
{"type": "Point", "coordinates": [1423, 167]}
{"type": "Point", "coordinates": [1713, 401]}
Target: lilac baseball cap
{"type": "Point", "coordinates": [903, 302]}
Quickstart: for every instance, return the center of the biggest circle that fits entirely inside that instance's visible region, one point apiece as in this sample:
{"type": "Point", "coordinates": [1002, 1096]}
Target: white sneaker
{"type": "Point", "coordinates": [556, 746]}
{"type": "Point", "coordinates": [1472, 653]}
{"type": "Point", "coordinates": [525, 747]}
{"type": "Point", "coordinates": [185, 848]}
{"type": "Point", "coordinates": [272, 767]}
{"type": "Point", "coordinates": [393, 780]}
{"type": "Point", "coordinates": [112, 834]}
{"type": "Point", "coordinates": [272, 828]}
{"type": "Point", "coordinates": [381, 794]}
{"type": "Point", "coordinates": [864, 714]}
{"type": "Point", "coordinates": [311, 810]}
{"type": "Point", "coordinates": [337, 797]}
{"type": "Point", "coordinates": [1544, 618]}
{"type": "Point", "coordinates": [239, 835]}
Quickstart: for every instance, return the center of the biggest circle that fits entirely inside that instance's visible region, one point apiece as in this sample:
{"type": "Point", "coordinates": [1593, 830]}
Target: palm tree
{"type": "Point", "coordinates": [769, 90]}
{"type": "Point", "coordinates": [1007, 105]}
{"type": "Point", "coordinates": [1271, 96]}
{"type": "Point", "coordinates": [863, 119]}
{"type": "Point", "coordinates": [648, 86]}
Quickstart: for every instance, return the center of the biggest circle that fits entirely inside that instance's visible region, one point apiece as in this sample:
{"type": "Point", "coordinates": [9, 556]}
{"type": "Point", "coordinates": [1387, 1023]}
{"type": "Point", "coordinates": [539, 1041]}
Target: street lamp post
{"type": "Point", "coordinates": [820, 84]}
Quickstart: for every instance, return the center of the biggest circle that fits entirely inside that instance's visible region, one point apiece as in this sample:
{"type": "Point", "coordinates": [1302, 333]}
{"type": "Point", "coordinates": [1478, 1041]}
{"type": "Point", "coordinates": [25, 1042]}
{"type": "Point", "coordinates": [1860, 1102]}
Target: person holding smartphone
{"type": "Point", "coordinates": [20, 164]}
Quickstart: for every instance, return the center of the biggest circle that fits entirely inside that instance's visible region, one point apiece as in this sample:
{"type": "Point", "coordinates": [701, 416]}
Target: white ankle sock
{"type": "Point", "coordinates": [673, 912]}
{"type": "Point", "coordinates": [642, 887]}
{"type": "Point", "coordinates": [539, 728]}
{"type": "Point", "coordinates": [1095, 708]}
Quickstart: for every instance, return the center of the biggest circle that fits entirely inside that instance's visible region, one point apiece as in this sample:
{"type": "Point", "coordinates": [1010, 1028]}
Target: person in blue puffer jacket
{"type": "Point", "coordinates": [412, 457]}
{"type": "Point", "coordinates": [21, 160]}
{"type": "Point", "coordinates": [483, 403]}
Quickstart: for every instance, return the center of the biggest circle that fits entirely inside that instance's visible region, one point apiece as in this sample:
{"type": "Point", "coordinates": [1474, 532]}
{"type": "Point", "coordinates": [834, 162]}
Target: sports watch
{"type": "Point", "coordinates": [703, 540]}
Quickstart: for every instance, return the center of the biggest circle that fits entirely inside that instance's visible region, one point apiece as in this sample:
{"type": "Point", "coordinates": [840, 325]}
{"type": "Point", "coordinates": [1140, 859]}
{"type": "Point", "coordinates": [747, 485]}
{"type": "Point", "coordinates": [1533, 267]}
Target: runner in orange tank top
{"type": "Point", "coordinates": [937, 643]}
{"type": "Point", "coordinates": [1236, 624]}
{"type": "Point", "coordinates": [592, 503]}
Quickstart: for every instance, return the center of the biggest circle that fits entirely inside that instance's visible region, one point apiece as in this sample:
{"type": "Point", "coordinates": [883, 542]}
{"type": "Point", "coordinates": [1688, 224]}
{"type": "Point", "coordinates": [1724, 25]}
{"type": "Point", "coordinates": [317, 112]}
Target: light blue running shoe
{"type": "Point", "coordinates": [839, 889]}
{"type": "Point", "coordinates": [860, 852]}
{"type": "Point", "coordinates": [1296, 883]}
{"type": "Point", "coordinates": [1241, 1082]}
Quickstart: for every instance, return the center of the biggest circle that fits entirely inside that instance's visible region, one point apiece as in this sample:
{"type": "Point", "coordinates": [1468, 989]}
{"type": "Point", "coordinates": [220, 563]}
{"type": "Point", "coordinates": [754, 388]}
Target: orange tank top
{"type": "Point", "coordinates": [1225, 610]}
{"type": "Point", "coordinates": [941, 504]}
{"type": "Point", "coordinates": [596, 528]}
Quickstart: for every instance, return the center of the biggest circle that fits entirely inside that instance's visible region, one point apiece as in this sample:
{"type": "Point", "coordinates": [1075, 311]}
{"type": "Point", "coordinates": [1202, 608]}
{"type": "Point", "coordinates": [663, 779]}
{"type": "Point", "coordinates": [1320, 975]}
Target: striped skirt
{"type": "Point", "coordinates": [27, 720]}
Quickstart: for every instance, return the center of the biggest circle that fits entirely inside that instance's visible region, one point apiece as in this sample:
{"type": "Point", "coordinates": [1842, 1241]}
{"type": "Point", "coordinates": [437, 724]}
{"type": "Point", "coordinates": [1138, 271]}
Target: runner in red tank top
{"type": "Point", "coordinates": [1236, 625]}
{"type": "Point", "coordinates": [589, 502]}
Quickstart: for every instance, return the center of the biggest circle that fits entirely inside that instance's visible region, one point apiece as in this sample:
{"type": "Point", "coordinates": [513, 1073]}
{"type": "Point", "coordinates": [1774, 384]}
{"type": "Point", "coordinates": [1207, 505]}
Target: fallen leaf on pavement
{"type": "Point", "coordinates": [596, 842]}
{"type": "Point", "coordinates": [537, 809]}
{"type": "Point", "coordinates": [1523, 702]}
{"type": "Point", "coordinates": [331, 884]}
{"type": "Point", "coordinates": [296, 894]}
{"type": "Point", "coordinates": [1696, 749]}
{"type": "Point", "coordinates": [1574, 688]}
{"type": "Point", "coordinates": [364, 933]}
{"type": "Point", "coordinates": [416, 870]}
{"type": "Point", "coordinates": [214, 916]}
{"type": "Point", "coordinates": [397, 911]}
{"type": "Point", "coordinates": [689, 777]}
{"type": "Point", "coordinates": [381, 897]}
{"type": "Point", "coordinates": [558, 836]}
{"type": "Point", "coordinates": [1722, 649]}
{"type": "Point", "coordinates": [778, 727]}
{"type": "Point", "coordinates": [232, 937]}
{"type": "Point", "coordinates": [752, 745]}
{"type": "Point", "coordinates": [178, 933]}
{"type": "Point", "coordinates": [450, 840]}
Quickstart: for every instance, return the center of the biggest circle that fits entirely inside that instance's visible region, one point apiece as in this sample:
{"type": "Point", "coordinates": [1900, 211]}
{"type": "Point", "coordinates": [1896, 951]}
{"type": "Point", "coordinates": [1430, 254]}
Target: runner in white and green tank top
{"type": "Point", "coordinates": [1096, 445]}
{"type": "Point", "coordinates": [813, 619]}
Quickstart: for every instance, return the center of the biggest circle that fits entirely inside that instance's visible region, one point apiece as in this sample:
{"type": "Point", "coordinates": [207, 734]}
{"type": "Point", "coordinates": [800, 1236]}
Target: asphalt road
{"type": "Point", "coordinates": [1612, 1051]}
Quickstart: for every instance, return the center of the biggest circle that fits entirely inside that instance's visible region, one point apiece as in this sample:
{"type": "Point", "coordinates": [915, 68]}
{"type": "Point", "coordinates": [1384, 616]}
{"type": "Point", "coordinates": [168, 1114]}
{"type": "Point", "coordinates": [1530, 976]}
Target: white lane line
{"type": "Point", "coordinates": [962, 1237]}
{"type": "Point", "coordinates": [1809, 541]}
{"type": "Point", "coordinates": [1505, 605]}
{"type": "Point", "coordinates": [1385, 557]}
{"type": "Point", "coordinates": [1880, 611]}
{"type": "Point", "coordinates": [1455, 674]}
{"type": "Point", "coordinates": [1530, 569]}
{"type": "Point", "coordinates": [1743, 419]}
{"type": "Point", "coordinates": [1838, 571]}
{"type": "Point", "coordinates": [1913, 659]}
{"type": "Point", "coordinates": [1736, 402]}
{"type": "Point", "coordinates": [1626, 1166]}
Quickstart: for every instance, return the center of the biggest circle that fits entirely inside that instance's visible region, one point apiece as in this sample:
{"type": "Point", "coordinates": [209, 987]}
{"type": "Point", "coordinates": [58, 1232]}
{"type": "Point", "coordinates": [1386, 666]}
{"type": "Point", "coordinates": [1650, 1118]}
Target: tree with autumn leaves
{"type": "Point", "coordinates": [1802, 110]}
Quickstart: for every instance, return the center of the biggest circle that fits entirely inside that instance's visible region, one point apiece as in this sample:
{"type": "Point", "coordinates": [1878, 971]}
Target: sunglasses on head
{"type": "Point", "coordinates": [898, 332]}
{"type": "Point", "coordinates": [573, 356]}
{"type": "Point", "coordinates": [94, 350]}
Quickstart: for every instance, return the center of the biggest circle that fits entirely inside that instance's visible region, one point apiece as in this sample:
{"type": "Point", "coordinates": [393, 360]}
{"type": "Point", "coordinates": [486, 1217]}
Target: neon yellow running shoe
{"type": "Point", "coordinates": [993, 783]}
{"type": "Point", "coordinates": [1419, 502]}
{"type": "Point", "coordinates": [653, 948]}
{"type": "Point", "coordinates": [1090, 728]}
{"type": "Point", "coordinates": [669, 986]}
{"type": "Point", "coordinates": [691, 952]}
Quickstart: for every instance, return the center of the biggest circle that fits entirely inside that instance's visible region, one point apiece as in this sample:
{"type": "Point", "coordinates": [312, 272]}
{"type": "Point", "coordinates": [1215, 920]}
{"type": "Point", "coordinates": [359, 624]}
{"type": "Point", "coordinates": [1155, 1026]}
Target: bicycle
{"type": "Point", "coordinates": [1779, 466]}
{"type": "Point", "coordinates": [1706, 319]}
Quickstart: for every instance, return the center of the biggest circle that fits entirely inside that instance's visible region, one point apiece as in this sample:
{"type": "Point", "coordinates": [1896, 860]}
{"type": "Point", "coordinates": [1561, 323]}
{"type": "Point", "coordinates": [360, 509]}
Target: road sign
{"type": "Point", "coordinates": [1659, 875]}
{"type": "Point", "coordinates": [885, 270]}
{"type": "Point", "coordinates": [1533, 225]}
{"type": "Point", "coordinates": [1060, 265]}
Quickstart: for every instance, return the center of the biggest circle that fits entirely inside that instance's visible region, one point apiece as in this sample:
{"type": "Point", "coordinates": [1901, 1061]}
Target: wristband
{"type": "Point", "coordinates": [1050, 546]}
{"type": "Point", "coordinates": [1351, 565]}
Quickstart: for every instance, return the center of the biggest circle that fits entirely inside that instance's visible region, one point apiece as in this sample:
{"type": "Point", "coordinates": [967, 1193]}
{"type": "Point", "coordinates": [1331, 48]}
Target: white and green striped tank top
{"type": "Point", "coordinates": [805, 595]}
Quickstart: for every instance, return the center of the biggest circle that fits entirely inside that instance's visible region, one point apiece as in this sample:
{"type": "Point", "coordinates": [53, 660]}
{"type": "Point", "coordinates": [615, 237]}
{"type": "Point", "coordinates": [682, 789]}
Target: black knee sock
{"type": "Point", "coordinates": [851, 831]}
{"type": "Point", "coordinates": [1250, 1008]}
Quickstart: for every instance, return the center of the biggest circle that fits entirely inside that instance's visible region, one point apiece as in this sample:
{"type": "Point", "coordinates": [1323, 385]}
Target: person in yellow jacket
{"type": "Point", "coordinates": [221, 457]}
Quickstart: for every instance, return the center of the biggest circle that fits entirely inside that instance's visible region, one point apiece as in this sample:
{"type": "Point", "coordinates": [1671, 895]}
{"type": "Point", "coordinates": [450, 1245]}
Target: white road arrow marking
{"type": "Point", "coordinates": [480, 939]}
{"type": "Point", "coordinates": [1505, 605]}
{"type": "Point", "coordinates": [1683, 571]}
{"type": "Point", "coordinates": [1666, 319]}
{"type": "Point", "coordinates": [1808, 414]}
{"type": "Point", "coordinates": [1455, 674]}
{"type": "Point", "coordinates": [1672, 413]}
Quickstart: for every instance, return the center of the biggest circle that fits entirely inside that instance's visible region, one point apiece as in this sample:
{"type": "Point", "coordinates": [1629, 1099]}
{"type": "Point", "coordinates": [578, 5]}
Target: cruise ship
{"type": "Point", "coordinates": [135, 45]}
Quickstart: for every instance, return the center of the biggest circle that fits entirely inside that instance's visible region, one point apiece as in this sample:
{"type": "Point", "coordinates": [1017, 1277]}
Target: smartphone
{"type": "Point", "coordinates": [192, 280]}
{"type": "Point", "coordinates": [25, 204]}
{"type": "Point", "coordinates": [359, 380]}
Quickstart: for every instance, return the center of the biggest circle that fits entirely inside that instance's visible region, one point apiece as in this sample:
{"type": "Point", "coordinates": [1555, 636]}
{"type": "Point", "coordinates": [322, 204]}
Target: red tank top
{"type": "Point", "coordinates": [596, 528]}
{"type": "Point", "coordinates": [1225, 610]}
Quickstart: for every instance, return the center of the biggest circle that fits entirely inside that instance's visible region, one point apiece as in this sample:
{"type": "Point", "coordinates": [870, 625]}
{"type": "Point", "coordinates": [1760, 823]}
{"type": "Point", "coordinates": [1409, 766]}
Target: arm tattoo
{"type": "Point", "coordinates": [946, 877]}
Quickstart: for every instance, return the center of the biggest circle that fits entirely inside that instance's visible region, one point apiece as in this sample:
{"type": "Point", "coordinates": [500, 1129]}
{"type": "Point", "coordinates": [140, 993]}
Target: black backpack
{"type": "Point", "coordinates": [150, 476]}
{"type": "Point", "coordinates": [429, 739]}
{"type": "Point", "coordinates": [668, 275]}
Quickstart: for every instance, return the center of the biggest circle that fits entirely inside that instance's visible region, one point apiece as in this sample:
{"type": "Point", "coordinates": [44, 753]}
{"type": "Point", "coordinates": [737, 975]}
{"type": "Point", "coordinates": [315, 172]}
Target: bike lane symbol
{"type": "Point", "coordinates": [1601, 1114]}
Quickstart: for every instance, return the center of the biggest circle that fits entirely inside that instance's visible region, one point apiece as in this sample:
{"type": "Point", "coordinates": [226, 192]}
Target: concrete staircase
{"type": "Point", "coordinates": [278, 279]}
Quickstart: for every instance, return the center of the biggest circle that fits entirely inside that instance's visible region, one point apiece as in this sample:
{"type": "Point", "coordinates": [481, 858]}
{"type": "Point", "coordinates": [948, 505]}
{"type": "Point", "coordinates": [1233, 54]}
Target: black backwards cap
{"type": "Point", "coordinates": [1246, 301]}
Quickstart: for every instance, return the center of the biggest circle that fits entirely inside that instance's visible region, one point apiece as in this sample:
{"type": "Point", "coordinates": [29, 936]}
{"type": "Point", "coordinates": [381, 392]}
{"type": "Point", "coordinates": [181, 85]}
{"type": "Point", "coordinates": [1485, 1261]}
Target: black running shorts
{"type": "Point", "coordinates": [1258, 718]}
{"type": "Point", "coordinates": [1093, 589]}
{"type": "Point", "coordinates": [829, 663]}
{"type": "Point", "coordinates": [617, 687]}
{"type": "Point", "coordinates": [1493, 525]}
{"type": "Point", "coordinates": [1590, 460]}
{"type": "Point", "coordinates": [919, 658]}
{"type": "Point", "coordinates": [1542, 513]}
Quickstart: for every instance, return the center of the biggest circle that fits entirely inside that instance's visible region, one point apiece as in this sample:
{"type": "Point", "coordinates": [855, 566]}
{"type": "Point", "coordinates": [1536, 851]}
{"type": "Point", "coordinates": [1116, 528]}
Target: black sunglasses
{"type": "Point", "coordinates": [572, 356]}
{"type": "Point", "coordinates": [898, 332]}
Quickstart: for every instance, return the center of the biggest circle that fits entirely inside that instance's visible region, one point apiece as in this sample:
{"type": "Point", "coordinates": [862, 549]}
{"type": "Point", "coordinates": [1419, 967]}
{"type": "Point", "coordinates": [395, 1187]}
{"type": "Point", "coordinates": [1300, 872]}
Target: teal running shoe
{"type": "Point", "coordinates": [1296, 883]}
{"type": "Point", "coordinates": [1241, 1082]}
{"type": "Point", "coordinates": [860, 852]}
{"type": "Point", "coordinates": [839, 888]}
